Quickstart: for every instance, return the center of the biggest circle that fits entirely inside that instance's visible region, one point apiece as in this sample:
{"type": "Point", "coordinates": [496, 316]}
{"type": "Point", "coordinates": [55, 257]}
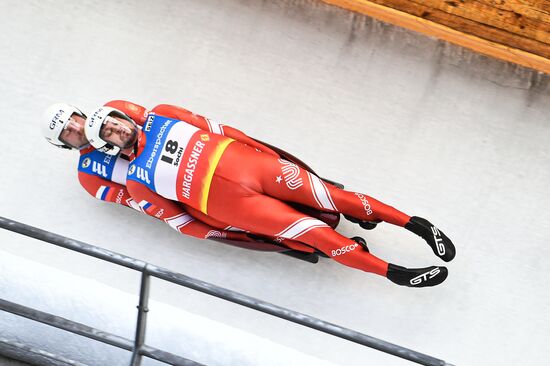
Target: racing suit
{"type": "Point", "coordinates": [223, 176]}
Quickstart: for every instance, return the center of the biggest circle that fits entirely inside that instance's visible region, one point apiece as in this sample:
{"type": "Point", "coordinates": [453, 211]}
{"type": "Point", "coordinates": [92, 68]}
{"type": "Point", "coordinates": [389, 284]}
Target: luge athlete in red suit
{"type": "Point", "coordinates": [104, 177]}
{"type": "Point", "coordinates": [226, 177]}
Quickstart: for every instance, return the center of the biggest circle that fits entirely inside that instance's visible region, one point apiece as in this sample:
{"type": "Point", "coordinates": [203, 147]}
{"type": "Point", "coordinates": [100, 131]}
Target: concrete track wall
{"type": "Point", "coordinates": [10, 362]}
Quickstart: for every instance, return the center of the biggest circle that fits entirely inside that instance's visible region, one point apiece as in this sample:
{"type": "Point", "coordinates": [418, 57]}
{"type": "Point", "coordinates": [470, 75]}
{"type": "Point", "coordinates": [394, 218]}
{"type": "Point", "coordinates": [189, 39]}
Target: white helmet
{"type": "Point", "coordinates": [56, 119]}
{"type": "Point", "coordinates": [93, 128]}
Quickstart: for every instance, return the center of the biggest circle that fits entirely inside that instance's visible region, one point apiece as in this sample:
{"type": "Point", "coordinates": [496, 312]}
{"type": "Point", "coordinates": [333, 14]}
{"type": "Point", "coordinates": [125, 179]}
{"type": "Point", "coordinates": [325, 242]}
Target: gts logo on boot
{"type": "Point", "coordinates": [438, 241]}
{"type": "Point", "coordinates": [425, 276]}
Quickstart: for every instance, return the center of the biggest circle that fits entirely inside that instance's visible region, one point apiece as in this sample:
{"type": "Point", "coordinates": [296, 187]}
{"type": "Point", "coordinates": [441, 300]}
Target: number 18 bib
{"type": "Point", "coordinates": [178, 161]}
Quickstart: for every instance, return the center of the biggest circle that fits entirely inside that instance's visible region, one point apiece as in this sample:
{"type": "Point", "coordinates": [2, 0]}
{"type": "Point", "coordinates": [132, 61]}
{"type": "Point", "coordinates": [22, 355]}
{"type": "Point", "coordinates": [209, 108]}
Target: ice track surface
{"type": "Point", "coordinates": [430, 128]}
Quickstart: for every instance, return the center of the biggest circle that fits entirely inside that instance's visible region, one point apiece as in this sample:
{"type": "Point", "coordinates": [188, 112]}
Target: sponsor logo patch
{"type": "Point", "coordinates": [119, 196]}
{"type": "Point", "coordinates": [425, 276]}
{"type": "Point", "coordinates": [56, 118]}
{"type": "Point", "coordinates": [291, 173]}
{"type": "Point", "coordinates": [158, 142]}
{"type": "Point", "coordinates": [99, 169]}
{"type": "Point", "coordinates": [143, 175]}
{"type": "Point", "coordinates": [344, 250]}
{"type": "Point", "coordinates": [149, 123]}
{"type": "Point", "coordinates": [190, 169]}
{"type": "Point", "coordinates": [86, 162]}
{"type": "Point", "coordinates": [438, 241]}
{"type": "Point", "coordinates": [96, 116]}
{"type": "Point", "coordinates": [365, 202]}
{"type": "Point", "coordinates": [214, 234]}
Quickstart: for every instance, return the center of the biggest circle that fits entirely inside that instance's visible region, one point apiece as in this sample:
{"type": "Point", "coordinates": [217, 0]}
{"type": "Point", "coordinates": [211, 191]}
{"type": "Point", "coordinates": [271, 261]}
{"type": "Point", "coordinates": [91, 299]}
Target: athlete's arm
{"type": "Point", "coordinates": [206, 124]}
{"type": "Point", "coordinates": [134, 111]}
{"type": "Point", "coordinates": [175, 215]}
{"type": "Point", "coordinates": [106, 190]}
{"type": "Point", "coordinates": [168, 211]}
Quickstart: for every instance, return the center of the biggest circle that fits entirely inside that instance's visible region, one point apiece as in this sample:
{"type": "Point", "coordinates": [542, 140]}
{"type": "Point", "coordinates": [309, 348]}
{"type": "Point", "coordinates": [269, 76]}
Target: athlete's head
{"type": "Point", "coordinates": [110, 130]}
{"type": "Point", "coordinates": [63, 126]}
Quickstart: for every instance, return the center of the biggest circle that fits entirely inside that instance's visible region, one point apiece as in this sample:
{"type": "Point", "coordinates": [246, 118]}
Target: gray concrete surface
{"type": "Point", "coordinates": [11, 362]}
{"type": "Point", "coordinates": [430, 128]}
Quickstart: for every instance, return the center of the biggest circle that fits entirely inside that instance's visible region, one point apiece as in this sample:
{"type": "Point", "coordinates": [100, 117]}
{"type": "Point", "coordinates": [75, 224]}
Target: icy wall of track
{"type": "Point", "coordinates": [430, 128]}
{"type": "Point", "coordinates": [194, 337]}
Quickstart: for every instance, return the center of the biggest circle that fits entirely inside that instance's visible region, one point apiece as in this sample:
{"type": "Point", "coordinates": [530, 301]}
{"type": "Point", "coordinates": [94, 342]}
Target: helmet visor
{"type": "Point", "coordinates": [118, 132]}
{"type": "Point", "coordinates": [73, 133]}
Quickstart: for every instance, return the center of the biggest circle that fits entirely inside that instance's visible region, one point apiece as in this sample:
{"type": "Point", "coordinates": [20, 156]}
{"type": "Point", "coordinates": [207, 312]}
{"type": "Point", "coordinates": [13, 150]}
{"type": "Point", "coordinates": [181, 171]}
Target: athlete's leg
{"type": "Point", "coordinates": [285, 181]}
{"type": "Point", "coordinates": [240, 206]}
{"type": "Point", "coordinates": [268, 240]}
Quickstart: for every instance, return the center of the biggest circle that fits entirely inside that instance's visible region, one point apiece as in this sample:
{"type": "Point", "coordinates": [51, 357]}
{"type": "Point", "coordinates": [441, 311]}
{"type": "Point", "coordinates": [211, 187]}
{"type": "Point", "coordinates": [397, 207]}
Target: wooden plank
{"type": "Point", "coordinates": [531, 9]}
{"type": "Point", "coordinates": [495, 42]}
{"type": "Point", "coordinates": [466, 25]}
{"type": "Point", "coordinates": [536, 28]}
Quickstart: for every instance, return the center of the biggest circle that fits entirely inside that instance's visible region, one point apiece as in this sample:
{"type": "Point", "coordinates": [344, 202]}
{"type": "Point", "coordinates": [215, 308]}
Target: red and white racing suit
{"type": "Point", "coordinates": [237, 181]}
{"type": "Point", "coordinates": [104, 177]}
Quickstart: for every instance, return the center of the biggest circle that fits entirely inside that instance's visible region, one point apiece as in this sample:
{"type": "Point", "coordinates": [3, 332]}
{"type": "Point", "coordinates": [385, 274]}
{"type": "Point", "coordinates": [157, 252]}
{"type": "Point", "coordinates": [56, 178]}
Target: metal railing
{"type": "Point", "coordinates": [137, 345]}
